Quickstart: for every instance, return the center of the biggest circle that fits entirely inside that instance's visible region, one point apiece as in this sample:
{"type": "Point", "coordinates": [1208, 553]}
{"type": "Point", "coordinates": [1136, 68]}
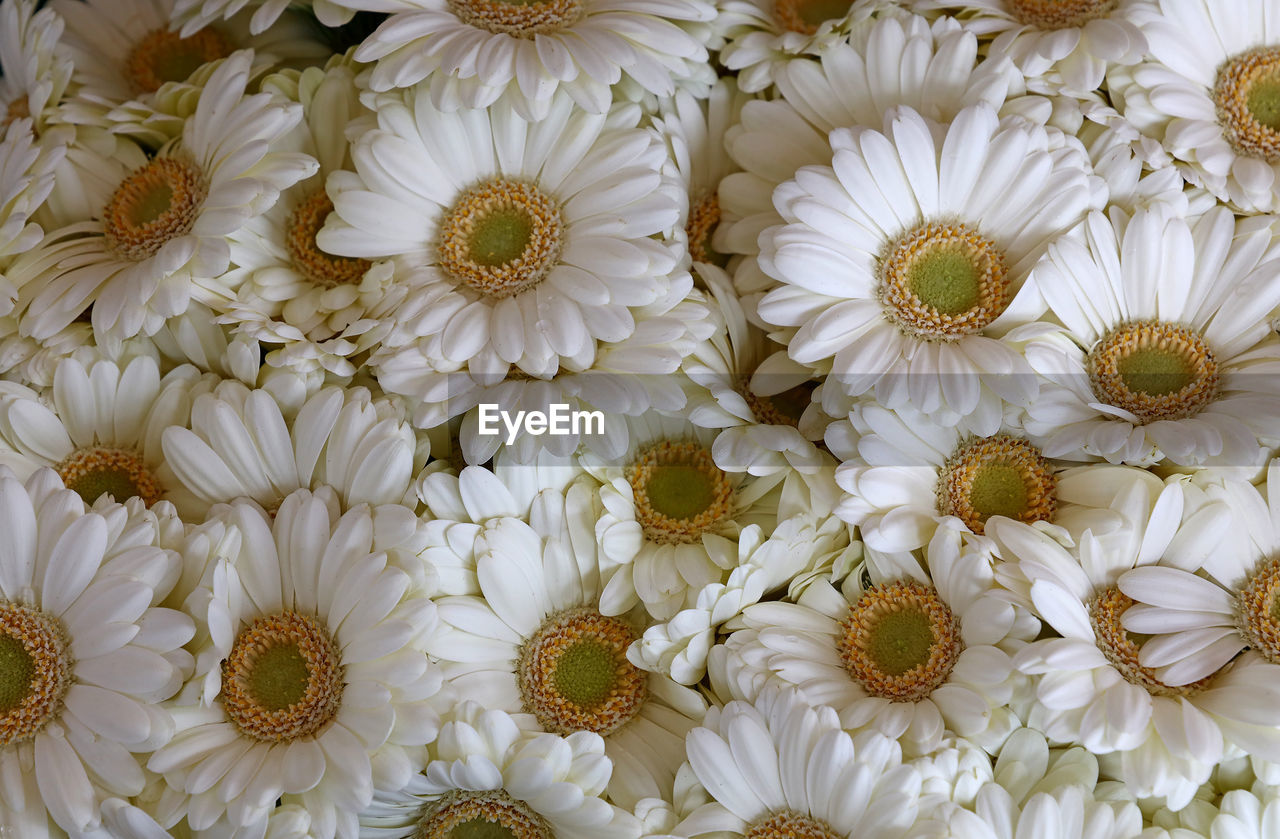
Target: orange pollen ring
{"type": "Point", "coordinates": [321, 698]}
{"type": "Point", "coordinates": [45, 654]}
{"type": "Point", "coordinates": [1120, 649]}
{"type": "Point", "coordinates": [542, 655]}
{"type": "Point", "coordinates": [957, 479]}
{"type": "Point", "coordinates": [1107, 362]}
{"type": "Point", "coordinates": [163, 56]}
{"type": "Point", "coordinates": [84, 470]}
{"type": "Point", "coordinates": [1259, 611]}
{"type": "Point", "coordinates": [658, 526]}
{"type": "Point", "coordinates": [787, 824]}
{"type": "Point", "coordinates": [318, 267]}
{"type": "Point", "coordinates": [510, 817]}
{"type": "Point", "coordinates": [154, 204]}
{"type": "Point", "coordinates": [703, 218]}
{"type": "Point", "coordinates": [807, 16]}
{"type": "Point", "coordinates": [1059, 14]}
{"type": "Point", "coordinates": [1237, 80]}
{"type": "Point", "coordinates": [861, 645]}
{"type": "Point", "coordinates": [519, 18]}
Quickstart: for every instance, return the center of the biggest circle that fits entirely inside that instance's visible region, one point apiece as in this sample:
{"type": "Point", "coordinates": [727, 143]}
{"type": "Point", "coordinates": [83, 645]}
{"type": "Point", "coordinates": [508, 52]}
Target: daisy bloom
{"type": "Point", "coordinates": [489, 774]}
{"type": "Point", "coordinates": [778, 767]}
{"type": "Point", "coordinates": [26, 179]}
{"type": "Point", "coordinates": [532, 51]}
{"type": "Point", "coordinates": [529, 243]}
{"type": "Point", "coordinates": [310, 684]}
{"type": "Point", "coordinates": [916, 654]}
{"type": "Point", "coordinates": [1066, 813]}
{"type": "Point", "coordinates": [1205, 93]}
{"type": "Point", "coordinates": [195, 15]}
{"type": "Point", "coordinates": [1166, 350]}
{"type": "Point", "coordinates": [35, 68]}
{"type": "Point", "coordinates": [86, 655]}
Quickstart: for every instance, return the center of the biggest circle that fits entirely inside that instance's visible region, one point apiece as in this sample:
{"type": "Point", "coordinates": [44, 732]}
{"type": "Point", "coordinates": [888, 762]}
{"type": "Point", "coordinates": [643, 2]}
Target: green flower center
{"type": "Point", "coordinates": [586, 673]}
{"type": "Point", "coordinates": [279, 677]}
{"type": "Point", "coordinates": [162, 56]}
{"type": "Point", "coordinates": [997, 476]}
{"type": "Point", "coordinates": [35, 671]}
{"type": "Point", "coordinates": [501, 237]}
{"type": "Point", "coordinates": [807, 16]}
{"type": "Point", "coordinates": [680, 493]}
{"type": "Point", "coordinates": [901, 641]}
{"type": "Point", "coordinates": [1247, 95]}
{"type": "Point", "coordinates": [120, 473]}
{"type": "Point", "coordinates": [482, 815]}
{"type": "Point", "coordinates": [1156, 371]}
{"type": "Point", "coordinates": [17, 670]}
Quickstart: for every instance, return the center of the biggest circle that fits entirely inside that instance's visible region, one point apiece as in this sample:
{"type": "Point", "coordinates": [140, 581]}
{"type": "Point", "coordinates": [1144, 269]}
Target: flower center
{"type": "Point", "coordinates": [1247, 96]}
{"type": "Point", "coordinates": [574, 674]}
{"type": "Point", "coordinates": [35, 671]}
{"type": "Point", "coordinates": [501, 238]}
{"type": "Point", "coordinates": [1059, 14]}
{"type": "Point", "coordinates": [1120, 647]}
{"type": "Point", "coordinates": [900, 641]}
{"type": "Point", "coordinates": [784, 408]}
{"type": "Point", "coordinates": [943, 280]}
{"type": "Point", "coordinates": [315, 265]}
{"type": "Point", "coordinates": [518, 18]}
{"type": "Point", "coordinates": [482, 815]}
{"type": "Point", "coordinates": [283, 678]}
{"type": "Point", "coordinates": [807, 16]}
{"type": "Point", "coordinates": [18, 109]}
{"type": "Point", "coordinates": [154, 204]}
{"type": "Point", "coordinates": [997, 476]}
{"type": "Point", "coordinates": [1259, 604]}
{"type": "Point", "coordinates": [95, 471]}
{"type": "Point", "coordinates": [786, 824]}
{"type": "Point", "coordinates": [704, 215]}
{"type": "Point", "coordinates": [161, 56]}
{"type": "Point", "coordinates": [1155, 371]}
{"type": "Point", "coordinates": [679, 492]}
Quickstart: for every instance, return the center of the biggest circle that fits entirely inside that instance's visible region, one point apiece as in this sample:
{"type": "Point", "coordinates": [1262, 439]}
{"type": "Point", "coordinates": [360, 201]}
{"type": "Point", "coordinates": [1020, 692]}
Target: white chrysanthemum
{"type": "Point", "coordinates": [533, 50]}
{"type": "Point", "coordinates": [241, 443]}
{"type": "Point", "coordinates": [26, 179]}
{"type": "Point", "coordinates": [529, 243]}
{"type": "Point", "coordinates": [489, 775]}
{"type": "Point", "coordinates": [1092, 688]}
{"type": "Point", "coordinates": [163, 229]}
{"type": "Point", "coordinates": [1066, 813]}
{"type": "Point", "coordinates": [779, 767]}
{"type": "Point", "coordinates": [1207, 94]}
{"type": "Point", "coordinates": [1240, 814]}
{"type": "Point", "coordinates": [898, 262]}
{"type": "Point", "coordinates": [310, 685]}
{"type": "Point", "coordinates": [535, 641]}
{"type": "Point", "coordinates": [914, 655]}
{"type": "Point", "coordinates": [1166, 349]}
{"type": "Point", "coordinates": [1118, 157]}
{"type": "Point", "coordinates": [86, 657]}
{"type": "Point", "coordinates": [34, 68]}
{"type": "Point", "coordinates": [1060, 47]}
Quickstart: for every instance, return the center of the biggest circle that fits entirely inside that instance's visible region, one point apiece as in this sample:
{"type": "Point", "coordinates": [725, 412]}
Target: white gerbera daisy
{"type": "Point", "coordinates": [85, 655]}
{"type": "Point", "coordinates": [914, 655]}
{"type": "Point", "coordinates": [310, 683]}
{"type": "Point", "coordinates": [898, 261]}
{"type": "Point", "coordinates": [529, 242]}
{"type": "Point", "coordinates": [532, 50]}
{"type": "Point", "coordinates": [1066, 813]}
{"type": "Point", "coordinates": [163, 229]}
{"type": "Point", "coordinates": [195, 15]}
{"type": "Point", "coordinates": [537, 642]}
{"type": "Point", "coordinates": [26, 179]}
{"type": "Point", "coordinates": [778, 767]}
{"type": "Point", "coordinates": [35, 68]}
{"type": "Point", "coordinates": [487, 774]}
{"type": "Point", "coordinates": [1166, 349]}
{"type": "Point", "coordinates": [1206, 93]}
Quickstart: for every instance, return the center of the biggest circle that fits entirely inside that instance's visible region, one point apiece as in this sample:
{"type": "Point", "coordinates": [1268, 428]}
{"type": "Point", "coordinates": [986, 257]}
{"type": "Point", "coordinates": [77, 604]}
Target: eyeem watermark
{"type": "Point", "coordinates": [559, 419]}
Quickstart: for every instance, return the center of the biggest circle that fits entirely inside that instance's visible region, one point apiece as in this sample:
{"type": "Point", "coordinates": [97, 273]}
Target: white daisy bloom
{"type": "Point", "coordinates": [195, 15]}
{"type": "Point", "coordinates": [488, 774]}
{"type": "Point", "coordinates": [529, 243]}
{"type": "Point", "coordinates": [86, 657]}
{"type": "Point", "coordinates": [310, 683]}
{"type": "Point", "coordinates": [241, 443]}
{"type": "Point", "coordinates": [779, 767]}
{"type": "Point", "coordinates": [1166, 349]}
{"type": "Point", "coordinates": [1060, 47]}
{"type": "Point", "coordinates": [954, 773]}
{"type": "Point", "coordinates": [1240, 814]}
{"type": "Point", "coordinates": [917, 655]}
{"type": "Point", "coordinates": [898, 262]}
{"type": "Point", "coordinates": [532, 51]}
{"type": "Point", "coordinates": [1115, 150]}
{"type": "Point", "coordinates": [163, 229]}
{"type": "Point", "coordinates": [1206, 94]}
{"type": "Point", "coordinates": [35, 68]}
{"type": "Point", "coordinates": [1066, 813]}
{"type": "Point", "coordinates": [26, 179]}
{"type": "Point", "coordinates": [536, 642]}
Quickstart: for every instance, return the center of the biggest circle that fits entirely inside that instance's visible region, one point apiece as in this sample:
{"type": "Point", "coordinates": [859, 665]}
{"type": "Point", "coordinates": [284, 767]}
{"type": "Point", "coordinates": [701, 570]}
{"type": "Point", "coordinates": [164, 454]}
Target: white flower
{"type": "Point", "coordinates": [26, 179]}
{"type": "Point", "coordinates": [36, 69]}
{"type": "Point", "coordinates": [1066, 813]}
{"type": "Point", "coordinates": [195, 15]}
{"type": "Point", "coordinates": [1166, 350]}
{"type": "Point", "coordinates": [86, 657]}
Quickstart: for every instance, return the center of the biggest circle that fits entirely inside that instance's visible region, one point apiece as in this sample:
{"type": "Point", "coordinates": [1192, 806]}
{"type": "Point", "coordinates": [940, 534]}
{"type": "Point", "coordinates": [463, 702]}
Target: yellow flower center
{"type": "Point", "coordinates": [900, 641]}
{"type": "Point", "coordinates": [1059, 14]}
{"type": "Point", "coordinates": [518, 18]}
{"type": "Point", "coordinates": [162, 56]}
{"type": "Point", "coordinates": [943, 280]}
{"type": "Point", "coordinates": [17, 109]}
{"type": "Point", "coordinates": [1247, 96]}
{"type": "Point", "coordinates": [1259, 604]}
{"type": "Point", "coordinates": [807, 16]}
{"type": "Point", "coordinates": [98, 470]}
{"type": "Point", "coordinates": [35, 671]}
{"type": "Point", "coordinates": [1155, 371]}
{"type": "Point", "coordinates": [997, 476]}
{"type": "Point", "coordinates": [283, 678]}
{"type": "Point", "coordinates": [154, 204]}
{"type": "Point", "coordinates": [786, 824]}
{"type": "Point", "coordinates": [680, 493]}
{"type": "Point", "coordinates": [574, 674]}
{"type": "Point", "coordinates": [704, 215]}
{"type": "Point", "coordinates": [1121, 647]}
{"type": "Point", "coordinates": [482, 815]}
{"type": "Point", "coordinates": [315, 265]}
{"type": "Point", "coordinates": [501, 238]}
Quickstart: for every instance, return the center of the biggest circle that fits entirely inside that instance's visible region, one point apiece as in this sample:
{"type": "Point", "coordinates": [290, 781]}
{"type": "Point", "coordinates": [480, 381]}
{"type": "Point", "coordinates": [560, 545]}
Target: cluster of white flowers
{"type": "Point", "coordinates": [927, 482]}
